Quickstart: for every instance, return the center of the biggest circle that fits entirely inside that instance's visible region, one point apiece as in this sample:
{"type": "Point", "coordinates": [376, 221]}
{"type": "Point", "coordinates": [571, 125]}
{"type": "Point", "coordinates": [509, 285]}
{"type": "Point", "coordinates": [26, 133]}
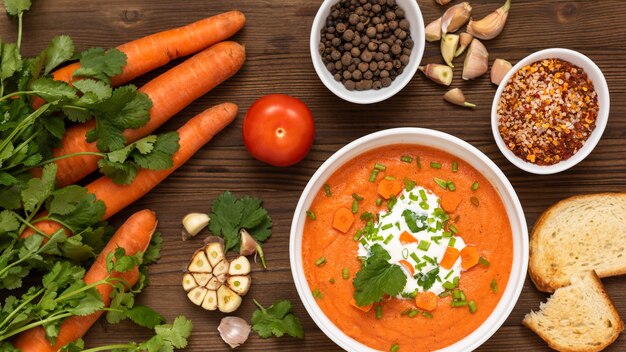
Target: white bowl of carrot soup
{"type": "Point", "coordinates": [409, 239]}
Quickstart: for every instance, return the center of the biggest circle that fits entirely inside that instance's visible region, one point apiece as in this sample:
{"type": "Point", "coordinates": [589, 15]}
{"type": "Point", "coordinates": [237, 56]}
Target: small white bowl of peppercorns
{"type": "Point", "coordinates": [366, 51]}
{"type": "Point", "coordinates": [550, 111]}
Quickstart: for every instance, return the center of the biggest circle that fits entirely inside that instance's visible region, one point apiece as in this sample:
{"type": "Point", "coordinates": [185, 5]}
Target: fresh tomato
{"type": "Point", "coordinates": [278, 129]}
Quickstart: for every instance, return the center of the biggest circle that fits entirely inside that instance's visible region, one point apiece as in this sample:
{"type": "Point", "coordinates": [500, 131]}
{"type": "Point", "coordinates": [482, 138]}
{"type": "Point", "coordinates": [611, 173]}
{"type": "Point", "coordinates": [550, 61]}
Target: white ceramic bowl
{"type": "Point", "coordinates": [449, 144]}
{"type": "Point", "coordinates": [602, 90]}
{"type": "Point", "coordinates": [412, 13]}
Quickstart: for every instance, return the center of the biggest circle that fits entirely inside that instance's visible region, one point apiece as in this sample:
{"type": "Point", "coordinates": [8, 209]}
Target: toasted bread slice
{"type": "Point", "coordinates": [576, 235]}
{"type": "Point", "coordinates": [577, 318]}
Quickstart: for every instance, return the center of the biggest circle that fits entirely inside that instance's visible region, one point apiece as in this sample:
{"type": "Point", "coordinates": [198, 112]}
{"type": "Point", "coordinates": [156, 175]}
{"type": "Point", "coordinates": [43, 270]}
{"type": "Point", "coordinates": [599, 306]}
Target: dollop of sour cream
{"type": "Point", "coordinates": [417, 212]}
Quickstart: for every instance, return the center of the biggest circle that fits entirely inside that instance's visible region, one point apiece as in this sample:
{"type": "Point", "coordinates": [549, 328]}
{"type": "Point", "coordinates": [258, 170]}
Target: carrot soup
{"type": "Point", "coordinates": [407, 247]}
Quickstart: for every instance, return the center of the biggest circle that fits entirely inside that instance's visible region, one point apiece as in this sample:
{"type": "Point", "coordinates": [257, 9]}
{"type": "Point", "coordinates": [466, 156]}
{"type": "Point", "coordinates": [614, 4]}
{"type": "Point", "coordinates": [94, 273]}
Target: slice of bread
{"type": "Point", "coordinates": [579, 234]}
{"type": "Point", "coordinates": [577, 318]}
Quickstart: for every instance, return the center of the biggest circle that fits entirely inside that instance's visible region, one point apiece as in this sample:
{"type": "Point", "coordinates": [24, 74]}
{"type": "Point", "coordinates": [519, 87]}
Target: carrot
{"type": "Point", "coordinates": [169, 92]}
{"type": "Point", "coordinates": [409, 267]}
{"type": "Point", "coordinates": [469, 257]}
{"type": "Point", "coordinates": [449, 258]}
{"type": "Point", "coordinates": [134, 236]}
{"type": "Point", "coordinates": [343, 219]}
{"type": "Point", "coordinates": [365, 308]}
{"type": "Point", "coordinates": [147, 53]}
{"type": "Point", "coordinates": [426, 301]}
{"type": "Point", "coordinates": [193, 135]}
{"type": "Point", "coordinates": [406, 238]}
{"type": "Point", "coordinates": [450, 201]}
{"type": "Point", "coordinates": [388, 188]}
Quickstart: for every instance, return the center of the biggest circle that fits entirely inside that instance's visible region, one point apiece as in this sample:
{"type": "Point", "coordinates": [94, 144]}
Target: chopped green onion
{"type": "Point", "coordinates": [472, 307]}
{"type": "Point", "coordinates": [363, 241]}
{"type": "Point", "coordinates": [418, 162]}
{"type": "Point", "coordinates": [474, 201]}
{"type": "Point", "coordinates": [494, 286]}
{"type": "Point", "coordinates": [391, 202]}
{"type": "Point", "coordinates": [406, 159]}
{"type": "Point", "coordinates": [442, 183]}
{"type": "Point", "coordinates": [321, 261]}
{"type": "Point", "coordinates": [357, 197]}
{"type": "Point", "coordinates": [331, 280]}
{"type": "Point", "coordinates": [455, 281]}
{"type": "Point", "coordinates": [446, 234]}
{"type": "Point", "coordinates": [357, 235]}
{"type": "Point", "coordinates": [367, 216]}
{"type": "Point", "coordinates": [448, 285]}
{"type": "Point", "coordinates": [435, 165]}
{"type": "Point", "coordinates": [379, 312]}
{"type": "Point", "coordinates": [409, 184]}
{"type": "Point", "coordinates": [455, 166]}
{"type": "Point", "coordinates": [355, 206]}
{"type": "Point", "coordinates": [373, 175]}
{"type": "Point", "coordinates": [406, 311]}
{"type": "Point", "coordinates": [386, 226]}
{"type": "Point", "coordinates": [405, 253]}
{"type": "Point", "coordinates": [429, 260]}
{"type": "Point", "coordinates": [448, 275]}
{"type": "Point", "coordinates": [452, 242]}
{"type": "Point", "coordinates": [463, 298]}
{"type": "Point", "coordinates": [414, 312]}
{"type": "Point", "coordinates": [423, 195]}
{"type": "Point", "coordinates": [413, 197]}
{"type": "Point", "coordinates": [327, 190]}
{"type": "Point", "coordinates": [423, 245]}
{"type": "Point", "coordinates": [427, 315]}
{"type": "Point", "coordinates": [311, 214]}
{"type": "Point", "coordinates": [379, 201]}
{"type": "Point", "coordinates": [380, 167]}
{"type": "Point", "coordinates": [317, 294]}
{"type": "Point", "coordinates": [394, 348]}
{"type": "Point", "coordinates": [424, 205]}
{"type": "Point", "coordinates": [345, 274]}
{"type": "Point", "coordinates": [445, 294]}
{"type": "Point", "coordinates": [415, 257]}
{"type": "Point", "coordinates": [453, 229]}
{"type": "Point", "coordinates": [458, 304]}
{"type": "Point", "coordinates": [475, 186]}
{"type": "Point", "coordinates": [484, 262]}
{"type": "Point", "coordinates": [421, 265]}
{"type": "Point", "coordinates": [390, 178]}
{"type": "Point", "coordinates": [451, 186]}
{"type": "Point", "coordinates": [436, 239]}
{"type": "Point", "coordinates": [388, 239]}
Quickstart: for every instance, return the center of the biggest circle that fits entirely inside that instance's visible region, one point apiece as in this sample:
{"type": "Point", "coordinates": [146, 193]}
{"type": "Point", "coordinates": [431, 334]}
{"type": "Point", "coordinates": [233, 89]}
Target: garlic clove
{"type": "Point", "coordinates": [491, 25]}
{"type": "Point", "coordinates": [197, 295]}
{"type": "Point", "coordinates": [214, 283]}
{"type": "Point", "coordinates": [464, 41]}
{"type": "Point", "coordinates": [456, 96]}
{"type": "Point", "coordinates": [442, 2]}
{"type": "Point", "coordinates": [189, 282]}
{"type": "Point", "coordinates": [239, 266]}
{"type": "Point", "coordinates": [499, 69]}
{"type": "Point", "coordinates": [199, 263]}
{"type": "Point", "coordinates": [477, 60]}
{"type": "Point", "coordinates": [239, 284]}
{"type": "Point", "coordinates": [214, 250]}
{"type": "Point", "coordinates": [449, 43]}
{"type": "Point", "coordinates": [202, 278]}
{"type": "Point", "coordinates": [222, 278]}
{"type": "Point", "coordinates": [193, 223]}
{"type": "Point", "coordinates": [210, 300]}
{"type": "Point", "coordinates": [234, 331]}
{"type": "Point", "coordinates": [441, 74]}
{"type": "Point", "coordinates": [221, 268]}
{"type": "Point", "coordinates": [248, 243]}
{"type": "Point", "coordinates": [227, 300]}
{"type": "Point", "coordinates": [455, 17]}
{"type": "Point", "coordinates": [433, 30]}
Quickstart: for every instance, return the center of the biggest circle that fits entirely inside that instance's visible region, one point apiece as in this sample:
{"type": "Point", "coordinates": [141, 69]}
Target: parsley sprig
{"type": "Point", "coordinates": [377, 277]}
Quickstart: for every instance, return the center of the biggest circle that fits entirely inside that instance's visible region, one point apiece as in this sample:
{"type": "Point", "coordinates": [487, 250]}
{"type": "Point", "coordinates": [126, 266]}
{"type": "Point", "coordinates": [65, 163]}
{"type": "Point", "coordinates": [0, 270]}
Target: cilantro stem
{"type": "Point", "coordinates": [19, 29]}
{"type": "Point", "coordinates": [110, 348]}
{"type": "Point", "coordinates": [22, 92]}
{"type": "Point", "coordinates": [19, 308]}
{"type": "Point", "coordinates": [258, 305]}
{"type": "Point", "coordinates": [109, 280]}
{"type": "Point", "coordinates": [27, 223]}
{"type": "Point", "coordinates": [47, 218]}
{"type": "Point", "coordinates": [19, 261]}
{"type": "Point", "coordinates": [23, 124]}
{"type": "Point", "coordinates": [52, 318]}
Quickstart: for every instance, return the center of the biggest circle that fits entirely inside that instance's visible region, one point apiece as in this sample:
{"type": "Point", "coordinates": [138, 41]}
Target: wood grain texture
{"type": "Point", "coordinates": [276, 38]}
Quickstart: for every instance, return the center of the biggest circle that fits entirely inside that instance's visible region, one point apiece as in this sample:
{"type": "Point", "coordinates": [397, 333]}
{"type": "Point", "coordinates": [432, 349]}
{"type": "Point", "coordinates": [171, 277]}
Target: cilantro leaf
{"type": "Point", "coordinates": [52, 90]}
{"type": "Point", "coordinates": [377, 277]}
{"type": "Point", "coordinates": [121, 174]}
{"type": "Point", "coordinates": [60, 49]}
{"type": "Point", "coordinates": [157, 155]}
{"type": "Point", "coordinates": [93, 91]}
{"type": "Point", "coordinates": [145, 316]}
{"type": "Point", "coordinates": [176, 333]}
{"type": "Point", "coordinates": [276, 320]}
{"type": "Point", "coordinates": [412, 218]}
{"type": "Point", "coordinates": [11, 60]}
{"type": "Point", "coordinates": [153, 252]}
{"type": "Point", "coordinates": [100, 64]}
{"type": "Point", "coordinates": [16, 7]}
{"type": "Point", "coordinates": [8, 222]}
{"type": "Point", "coordinates": [427, 280]}
{"type": "Point", "coordinates": [37, 190]}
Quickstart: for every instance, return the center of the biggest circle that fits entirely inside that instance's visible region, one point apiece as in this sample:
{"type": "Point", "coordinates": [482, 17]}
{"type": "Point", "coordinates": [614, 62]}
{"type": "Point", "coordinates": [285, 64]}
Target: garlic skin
{"type": "Point", "coordinates": [442, 2]}
{"type": "Point", "coordinates": [449, 43]}
{"type": "Point", "coordinates": [499, 69]}
{"type": "Point", "coordinates": [491, 25]}
{"type": "Point", "coordinates": [438, 73]}
{"type": "Point", "coordinates": [234, 331]}
{"type": "Point", "coordinates": [193, 223]}
{"type": "Point", "coordinates": [433, 30]}
{"type": "Point", "coordinates": [464, 41]}
{"type": "Point", "coordinates": [456, 97]}
{"type": "Point", "coordinates": [455, 17]}
{"type": "Point", "coordinates": [477, 60]}
{"type": "Point", "coordinates": [248, 243]}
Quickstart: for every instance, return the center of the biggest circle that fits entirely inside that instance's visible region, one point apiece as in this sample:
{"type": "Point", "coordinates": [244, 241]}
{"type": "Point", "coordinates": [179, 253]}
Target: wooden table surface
{"type": "Point", "coordinates": [276, 38]}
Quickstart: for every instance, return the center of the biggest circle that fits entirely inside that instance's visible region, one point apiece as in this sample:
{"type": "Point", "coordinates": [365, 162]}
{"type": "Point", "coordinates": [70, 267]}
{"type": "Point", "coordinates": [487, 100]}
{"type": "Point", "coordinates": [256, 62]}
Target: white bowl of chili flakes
{"type": "Point", "coordinates": [550, 111]}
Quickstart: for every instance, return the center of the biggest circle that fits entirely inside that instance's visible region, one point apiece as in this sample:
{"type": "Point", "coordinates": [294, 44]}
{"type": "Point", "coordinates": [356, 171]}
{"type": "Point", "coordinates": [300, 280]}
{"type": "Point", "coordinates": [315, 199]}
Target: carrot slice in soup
{"type": "Point", "coordinates": [406, 238]}
{"type": "Point", "coordinates": [343, 219]}
{"type": "Point", "coordinates": [426, 301]}
{"type": "Point", "coordinates": [408, 266]}
{"type": "Point", "coordinates": [365, 308]}
{"type": "Point", "coordinates": [450, 201]}
{"type": "Point", "coordinates": [469, 257]}
{"type": "Point", "coordinates": [388, 188]}
{"type": "Point", "coordinates": [449, 258]}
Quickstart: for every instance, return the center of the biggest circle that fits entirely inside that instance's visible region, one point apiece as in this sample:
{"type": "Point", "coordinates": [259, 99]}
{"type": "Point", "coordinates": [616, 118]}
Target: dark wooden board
{"type": "Point", "coordinates": [276, 38]}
